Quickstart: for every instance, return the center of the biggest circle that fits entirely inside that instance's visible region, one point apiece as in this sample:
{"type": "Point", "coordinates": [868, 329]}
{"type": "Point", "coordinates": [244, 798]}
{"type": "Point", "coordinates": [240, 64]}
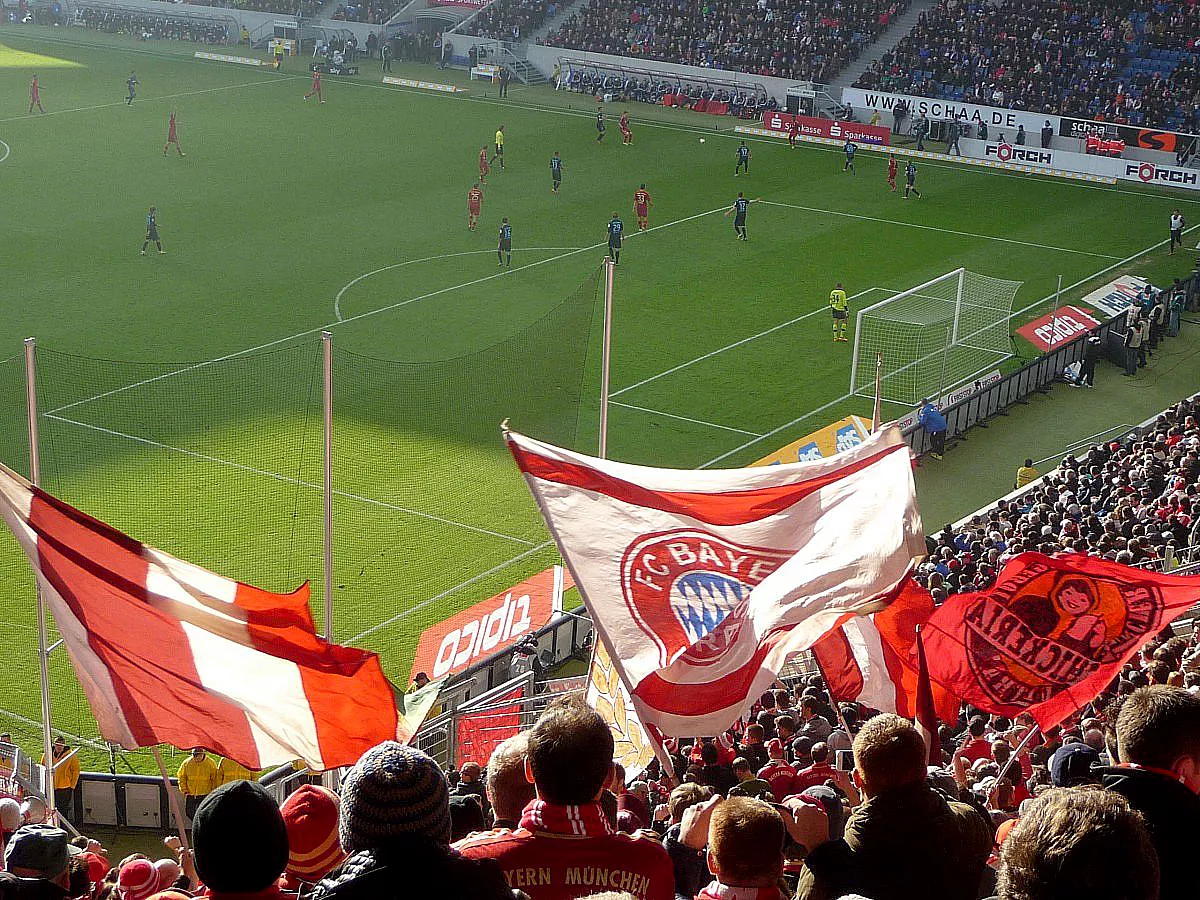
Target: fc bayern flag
{"type": "Point", "coordinates": [169, 653]}
{"type": "Point", "coordinates": [702, 583]}
{"type": "Point", "coordinates": [1051, 633]}
{"type": "Point", "coordinates": [873, 659]}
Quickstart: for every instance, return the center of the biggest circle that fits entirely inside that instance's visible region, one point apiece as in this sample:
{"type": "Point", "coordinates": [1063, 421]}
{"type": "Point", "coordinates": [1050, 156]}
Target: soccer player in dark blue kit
{"type": "Point", "coordinates": [599, 124]}
{"type": "Point", "coordinates": [743, 160]}
{"type": "Point", "coordinates": [152, 232]}
{"type": "Point", "coordinates": [910, 181]}
{"type": "Point", "coordinates": [738, 210]}
{"type": "Point", "coordinates": [850, 149]}
{"type": "Point", "coordinates": [556, 168]}
{"type": "Point", "coordinates": [131, 82]}
{"type": "Point", "coordinates": [504, 248]}
{"type": "Point", "coordinates": [615, 228]}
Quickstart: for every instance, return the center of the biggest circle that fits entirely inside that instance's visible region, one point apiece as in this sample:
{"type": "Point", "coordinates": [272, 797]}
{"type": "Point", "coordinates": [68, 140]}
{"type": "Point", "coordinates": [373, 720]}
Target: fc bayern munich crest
{"type": "Point", "coordinates": [1050, 629]}
{"type": "Point", "coordinates": [681, 585]}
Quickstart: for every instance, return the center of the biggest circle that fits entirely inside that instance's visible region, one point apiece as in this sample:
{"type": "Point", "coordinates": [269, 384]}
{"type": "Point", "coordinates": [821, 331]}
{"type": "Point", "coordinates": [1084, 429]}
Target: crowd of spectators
{"type": "Point", "coordinates": [808, 800]}
{"type": "Point", "coordinates": [305, 8]}
{"type": "Point", "coordinates": [1124, 62]}
{"type": "Point", "coordinates": [511, 20]}
{"type": "Point", "coordinates": [146, 26]}
{"type": "Point", "coordinates": [800, 39]}
{"type": "Point", "coordinates": [622, 87]}
{"type": "Point", "coordinates": [371, 12]}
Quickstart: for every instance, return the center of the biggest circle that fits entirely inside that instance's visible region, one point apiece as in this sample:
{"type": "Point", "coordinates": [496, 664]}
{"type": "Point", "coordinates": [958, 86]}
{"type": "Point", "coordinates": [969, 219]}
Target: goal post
{"type": "Point", "coordinates": [933, 336]}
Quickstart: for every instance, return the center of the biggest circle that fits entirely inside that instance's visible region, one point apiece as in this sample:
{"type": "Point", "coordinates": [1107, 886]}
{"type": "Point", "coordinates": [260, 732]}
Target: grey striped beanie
{"type": "Point", "coordinates": [393, 791]}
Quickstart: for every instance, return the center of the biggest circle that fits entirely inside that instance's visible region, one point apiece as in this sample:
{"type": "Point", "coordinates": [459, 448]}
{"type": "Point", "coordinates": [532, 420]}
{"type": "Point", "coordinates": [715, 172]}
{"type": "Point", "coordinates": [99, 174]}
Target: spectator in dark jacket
{"type": "Point", "coordinates": [1158, 739]}
{"type": "Point", "coordinates": [240, 842]}
{"type": "Point", "coordinates": [395, 824]}
{"type": "Point", "coordinates": [905, 841]}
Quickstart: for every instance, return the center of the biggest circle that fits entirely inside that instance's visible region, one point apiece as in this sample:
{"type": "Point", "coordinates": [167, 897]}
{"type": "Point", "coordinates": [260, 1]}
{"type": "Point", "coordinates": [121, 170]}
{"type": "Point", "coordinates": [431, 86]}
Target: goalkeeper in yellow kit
{"type": "Point", "coordinates": [839, 304]}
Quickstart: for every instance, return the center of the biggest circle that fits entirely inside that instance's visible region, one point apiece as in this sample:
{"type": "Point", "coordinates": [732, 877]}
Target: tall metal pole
{"type": "Point", "coordinates": [1054, 316]}
{"type": "Point", "coordinates": [35, 475]}
{"type": "Point", "coordinates": [606, 355]}
{"type": "Point", "coordinates": [942, 384]}
{"type": "Point", "coordinates": [327, 378]}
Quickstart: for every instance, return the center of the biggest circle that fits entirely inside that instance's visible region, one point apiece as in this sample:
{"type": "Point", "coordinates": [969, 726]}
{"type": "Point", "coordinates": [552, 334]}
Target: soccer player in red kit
{"type": "Point", "coordinates": [793, 131]}
{"type": "Point", "coordinates": [474, 206]}
{"type": "Point", "coordinates": [626, 133]}
{"type": "Point", "coordinates": [641, 207]}
{"type": "Point", "coordinates": [892, 167]}
{"type": "Point", "coordinates": [484, 165]}
{"type": "Point", "coordinates": [316, 87]}
{"type": "Point", "coordinates": [35, 95]}
{"type": "Point", "coordinates": [172, 137]}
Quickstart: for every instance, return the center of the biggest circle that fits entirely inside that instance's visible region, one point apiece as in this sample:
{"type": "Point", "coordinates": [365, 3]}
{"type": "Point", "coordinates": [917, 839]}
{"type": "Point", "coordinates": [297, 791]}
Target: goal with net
{"type": "Point", "coordinates": [933, 337]}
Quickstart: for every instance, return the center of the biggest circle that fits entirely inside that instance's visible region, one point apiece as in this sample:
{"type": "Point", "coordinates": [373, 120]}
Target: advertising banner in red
{"type": "Point", "coordinates": [480, 733]}
{"type": "Point", "coordinates": [828, 128]}
{"type": "Point", "coordinates": [487, 627]}
{"type": "Point", "coordinates": [1059, 327]}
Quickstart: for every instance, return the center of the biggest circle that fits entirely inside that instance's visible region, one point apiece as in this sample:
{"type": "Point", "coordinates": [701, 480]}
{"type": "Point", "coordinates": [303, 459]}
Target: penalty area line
{"type": "Point", "coordinates": [659, 412]}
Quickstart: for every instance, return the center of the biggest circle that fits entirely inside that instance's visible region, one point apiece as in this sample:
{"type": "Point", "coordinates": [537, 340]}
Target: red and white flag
{"type": "Point", "coordinates": [169, 653]}
{"type": "Point", "coordinates": [872, 659]}
{"type": "Point", "coordinates": [702, 583]}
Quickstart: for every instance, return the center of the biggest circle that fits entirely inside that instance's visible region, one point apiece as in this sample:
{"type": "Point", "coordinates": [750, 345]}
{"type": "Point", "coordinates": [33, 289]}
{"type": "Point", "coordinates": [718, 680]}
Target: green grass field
{"type": "Point", "coordinates": [181, 394]}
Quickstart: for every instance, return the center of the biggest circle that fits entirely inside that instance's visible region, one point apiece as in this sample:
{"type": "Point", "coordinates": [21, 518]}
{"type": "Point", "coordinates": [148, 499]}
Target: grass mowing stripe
{"type": "Point", "coordinates": [287, 479]}
{"type": "Point", "coordinates": [985, 237]}
{"type": "Point", "coordinates": [373, 312]}
{"type": "Point", "coordinates": [659, 412]}
{"type": "Point", "coordinates": [746, 340]}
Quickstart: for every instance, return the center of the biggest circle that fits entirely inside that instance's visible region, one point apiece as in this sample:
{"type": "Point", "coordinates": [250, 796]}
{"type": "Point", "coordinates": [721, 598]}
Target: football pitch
{"type": "Point", "coordinates": [181, 394]}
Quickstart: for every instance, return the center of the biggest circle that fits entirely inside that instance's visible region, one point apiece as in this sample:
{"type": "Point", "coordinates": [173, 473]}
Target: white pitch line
{"type": "Point", "coordinates": [659, 412]}
{"type": "Point", "coordinates": [286, 479]}
{"type": "Point", "coordinates": [337, 301]}
{"type": "Point", "coordinates": [446, 593]}
{"type": "Point", "coordinates": [75, 109]}
{"type": "Point", "coordinates": [1019, 312]}
{"type": "Point", "coordinates": [7, 150]}
{"type": "Point", "coordinates": [364, 315]}
{"type": "Point", "coordinates": [986, 237]}
{"type": "Point", "coordinates": [746, 340]}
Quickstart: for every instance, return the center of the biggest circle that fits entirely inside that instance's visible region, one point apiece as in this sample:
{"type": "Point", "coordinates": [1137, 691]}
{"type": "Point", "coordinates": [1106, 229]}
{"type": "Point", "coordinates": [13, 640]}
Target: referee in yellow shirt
{"type": "Point", "coordinates": [839, 305]}
{"type": "Point", "coordinates": [499, 146]}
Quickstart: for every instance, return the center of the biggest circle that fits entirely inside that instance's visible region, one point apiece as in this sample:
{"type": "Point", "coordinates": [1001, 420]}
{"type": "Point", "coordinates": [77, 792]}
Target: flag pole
{"type": "Point", "coordinates": [173, 800]}
{"type": "Point", "coordinates": [327, 379]}
{"type": "Point", "coordinates": [35, 475]}
{"type": "Point", "coordinates": [1054, 314]}
{"type": "Point", "coordinates": [877, 414]}
{"type": "Point", "coordinates": [1018, 750]}
{"type": "Point", "coordinates": [606, 355]}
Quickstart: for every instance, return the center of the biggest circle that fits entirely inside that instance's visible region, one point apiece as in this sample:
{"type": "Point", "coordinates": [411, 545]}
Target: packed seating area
{"type": "Point", "coordinates": [151, 27]}
{"type": "Point", "coordinates": [808, 40]}
{"type": "Point", "coordinates": [511, 20]}
{"type": "Point", "coordinates": [623, 86]}
{"type": "Point", "coordinates": [283, 7]}
{"type": "Point", "coordinates": [1132, 62]}
{"type": "Point", "coordinates": [370, 12]}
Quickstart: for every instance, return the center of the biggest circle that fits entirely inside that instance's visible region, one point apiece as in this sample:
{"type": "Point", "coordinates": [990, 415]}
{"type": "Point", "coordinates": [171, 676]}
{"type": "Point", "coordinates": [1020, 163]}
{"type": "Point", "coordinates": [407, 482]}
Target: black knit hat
{"type": "Point", "coordinates": [239, 838]}
{"type": "Point", "coordinates": [393, 792]}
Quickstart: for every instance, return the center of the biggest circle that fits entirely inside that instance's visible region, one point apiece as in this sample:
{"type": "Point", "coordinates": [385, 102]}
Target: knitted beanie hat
{"type": "Point", "coordinates": [137, 880]}
{"type": "Point", "coordinates": [238, 836]}
{"type": "Point", "coordinates": [310, 815]}
{"type": "Point", "coordinates": [394, 791]}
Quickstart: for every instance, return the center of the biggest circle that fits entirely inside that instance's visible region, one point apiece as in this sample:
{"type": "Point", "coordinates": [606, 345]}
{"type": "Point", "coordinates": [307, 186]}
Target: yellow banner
{"type": "Point", "coordinates": [831, 439]}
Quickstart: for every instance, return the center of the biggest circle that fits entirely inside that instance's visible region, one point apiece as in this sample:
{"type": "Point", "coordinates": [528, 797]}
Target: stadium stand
{"type": "Point", "coordinates": [511, 20]}
{"type": "Point", "coordinates": [809, 40]}
{"type": "Point", "coordinates": [1123, 62]}
{"type": "Point", "coordinates": [151, 27]}
{"type": "Point", "coordinates": [307, 8]}
{"type": "Point", "coordinates": [370, 12]}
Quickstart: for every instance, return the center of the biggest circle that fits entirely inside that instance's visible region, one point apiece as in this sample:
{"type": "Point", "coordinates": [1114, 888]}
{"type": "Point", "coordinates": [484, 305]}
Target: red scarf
{"type": "Point", "coordinates": [717, 891]}
{"type": "Point", "coordinates": [580, 821]}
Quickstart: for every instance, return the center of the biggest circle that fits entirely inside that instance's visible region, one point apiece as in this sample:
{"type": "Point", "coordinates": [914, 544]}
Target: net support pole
{"type": "Point", "coordinates": [327, 379]}
{"type": "Point", "coordinates": [35, 475]}
{"type": "Point", "coordinates": [942, 380]}
{"type": "Point", "coordinates": [877, 412]}
{"type": "Point", "coordinates": [958, 299]}
{"type": "Point", "coordinates": [1054, 314]}
{"type": "Point", "coordinates": [606, 355]}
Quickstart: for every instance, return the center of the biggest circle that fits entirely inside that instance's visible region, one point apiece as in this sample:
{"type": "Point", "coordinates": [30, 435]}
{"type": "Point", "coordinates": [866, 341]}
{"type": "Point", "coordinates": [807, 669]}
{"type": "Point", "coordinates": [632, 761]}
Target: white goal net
{"type": "Point", "coordinates": [933, 337]}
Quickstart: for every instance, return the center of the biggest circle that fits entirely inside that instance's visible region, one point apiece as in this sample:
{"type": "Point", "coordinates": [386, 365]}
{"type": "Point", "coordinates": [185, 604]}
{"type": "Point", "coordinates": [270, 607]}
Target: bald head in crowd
{"type": "Point", "coordinates": [508, 790]}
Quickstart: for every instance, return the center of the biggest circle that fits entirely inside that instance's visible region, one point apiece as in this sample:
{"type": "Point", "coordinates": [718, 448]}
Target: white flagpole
{"type": "Point", "coordinates": [606, 355]}
{"type": "Point", "coordinates": [35, 475]}
{"type": "Point", "coordinates": [327, 378]}
{"type": "Point", "coordinates": [1054, 315]}
{"type": "Point", "coordinates": [173, 800]}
